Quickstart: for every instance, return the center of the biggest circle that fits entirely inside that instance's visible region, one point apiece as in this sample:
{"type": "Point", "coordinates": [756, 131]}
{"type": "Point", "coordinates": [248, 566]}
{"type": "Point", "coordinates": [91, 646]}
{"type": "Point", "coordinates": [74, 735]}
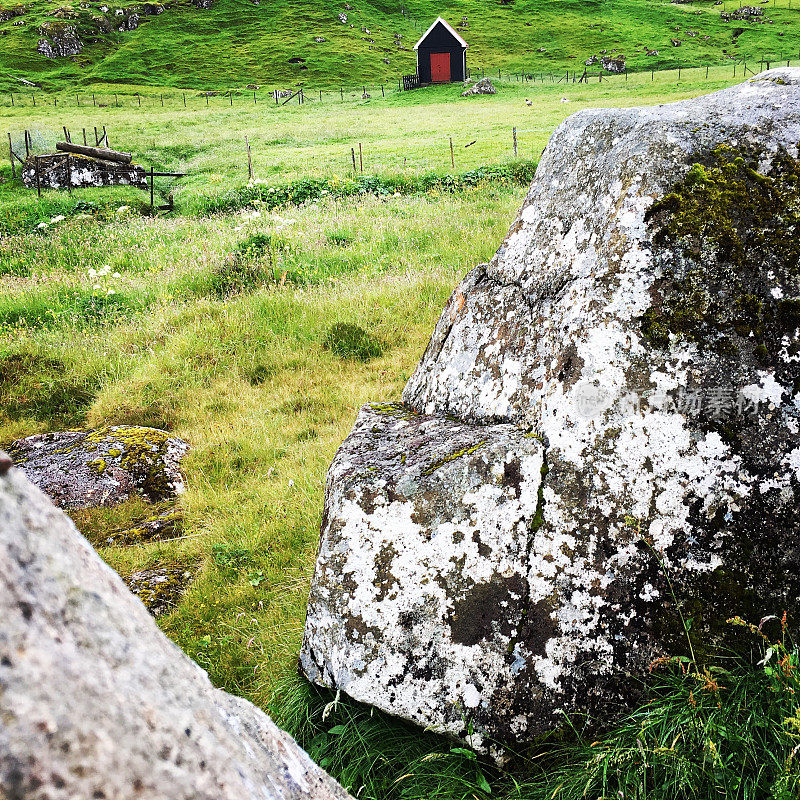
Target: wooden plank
{"type": "Point", "coordinates": [95, 152]}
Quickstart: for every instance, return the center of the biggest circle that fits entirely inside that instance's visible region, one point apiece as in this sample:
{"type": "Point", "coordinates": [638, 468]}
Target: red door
{"type": "Point", "coordinates": [440, 67]}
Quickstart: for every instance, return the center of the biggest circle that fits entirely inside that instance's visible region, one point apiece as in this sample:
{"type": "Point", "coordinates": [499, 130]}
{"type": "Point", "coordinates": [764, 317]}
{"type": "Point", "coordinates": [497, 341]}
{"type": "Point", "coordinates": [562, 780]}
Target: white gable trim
{"type": "Point", "coordinates": [449, 28]}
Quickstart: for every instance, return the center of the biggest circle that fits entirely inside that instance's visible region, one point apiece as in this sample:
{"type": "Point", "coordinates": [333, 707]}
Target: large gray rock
{"type": "Point", "coordinates": [103, 467]}
{"type": "Point", "coordinates": [642, 317]}
{"type": "Point", "coordinates": [96, 702]}
{"type": "Point", "coordinates": [421, 578]}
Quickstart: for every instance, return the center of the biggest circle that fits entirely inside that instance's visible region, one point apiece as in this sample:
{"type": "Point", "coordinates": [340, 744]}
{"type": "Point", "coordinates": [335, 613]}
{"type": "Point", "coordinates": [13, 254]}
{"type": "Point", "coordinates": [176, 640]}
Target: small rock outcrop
{"type": "Point", "coordinates": [483, 86]}
{"type": "Point", "coordinates": [60, 40]}
{"type": "Point", "coordinates": [615, 64]}
{"type": "Point", "coordinates": [84, 469]}
{"type": "Point", "coordinates": [631, 358]}
{"type": "Point", "coordinates": [97, 702]}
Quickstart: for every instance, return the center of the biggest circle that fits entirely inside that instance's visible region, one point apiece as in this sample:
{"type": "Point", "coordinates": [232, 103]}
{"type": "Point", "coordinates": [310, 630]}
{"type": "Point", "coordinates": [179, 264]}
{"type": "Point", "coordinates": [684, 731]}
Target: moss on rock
{"type": "Point", "coordinates": [727, 239]}
{"type": "Point", "coordinates": [160, 588]}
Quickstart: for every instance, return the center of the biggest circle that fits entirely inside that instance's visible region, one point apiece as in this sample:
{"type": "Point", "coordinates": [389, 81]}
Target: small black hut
{"type": "Point", "coordinates": [441, 54]}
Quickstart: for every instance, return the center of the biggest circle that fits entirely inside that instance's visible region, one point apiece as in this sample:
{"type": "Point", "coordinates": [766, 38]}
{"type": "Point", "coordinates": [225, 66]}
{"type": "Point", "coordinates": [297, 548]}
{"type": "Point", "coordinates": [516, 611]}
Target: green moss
{"type": "Point", "coordinates": [452, 457]}
{"type": "Point", "coordinates": [141, 451]}
{"type": "Point", "coordinates": [397, 410]}
{"type": "Point", "coordinates": [733, 232]}
{"type": "Point", "coordinates": [98, 465]}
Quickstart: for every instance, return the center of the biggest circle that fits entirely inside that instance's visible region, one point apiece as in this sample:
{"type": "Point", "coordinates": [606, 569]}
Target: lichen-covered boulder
{"type": "Point", "coordinates": [421, 578]}
{"type": "Point", "coordinates": [96, 702]}
{"type": "Point", "coordinates": [643, 319]}
{"type": "Point", "coordinates": [83, 469]}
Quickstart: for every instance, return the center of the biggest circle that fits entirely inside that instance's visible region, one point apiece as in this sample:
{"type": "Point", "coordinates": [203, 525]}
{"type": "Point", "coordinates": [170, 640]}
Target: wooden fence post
{"type": "Point", "coordinates": [152, 190]}
{"type": "Point", "coordinates": [353, 154]}
{"type": "Point", "coordinates": [38, 178]}
{"type": "Point", "coordinates": [361, 157]}
{"type": "Point", "coordinates": [27, 148]}
{"type": "Point", "coordinates": [249, 159]}
{"type": "Point", "coordinates": [452, 154]}
{"type": "Point", "coordinates": [85, 143]}
{"type": "Point", "coordinates": [11, 156]}
{"type": "Point", "coordinates": [515, 142]}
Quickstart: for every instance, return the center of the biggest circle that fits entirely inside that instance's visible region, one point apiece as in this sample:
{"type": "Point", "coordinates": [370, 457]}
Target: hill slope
{"type": "Point", "coordinates": [272, 42]}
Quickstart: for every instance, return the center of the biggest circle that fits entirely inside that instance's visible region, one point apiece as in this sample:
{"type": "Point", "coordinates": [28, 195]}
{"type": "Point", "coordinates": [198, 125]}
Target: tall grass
{"type": "Point", "coordinates": [725, 731]}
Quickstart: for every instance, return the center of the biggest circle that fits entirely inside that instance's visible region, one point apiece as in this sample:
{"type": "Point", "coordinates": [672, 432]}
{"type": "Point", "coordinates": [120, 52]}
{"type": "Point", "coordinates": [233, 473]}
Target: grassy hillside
{"type": "Point", "coordinates": [272, 43]}
{"type": "Point", "coordinates": [217, 322]}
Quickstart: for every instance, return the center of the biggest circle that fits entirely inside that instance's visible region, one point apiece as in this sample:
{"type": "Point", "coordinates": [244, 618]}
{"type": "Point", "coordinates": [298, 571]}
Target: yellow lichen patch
{"type": "Point", "coordinates": [98, 465]}
{"type": "Point", "coordinates": [140, 451]}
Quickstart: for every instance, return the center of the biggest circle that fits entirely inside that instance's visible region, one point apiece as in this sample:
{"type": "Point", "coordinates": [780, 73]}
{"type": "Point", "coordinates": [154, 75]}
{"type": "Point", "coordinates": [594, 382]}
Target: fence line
{"type": "Point", "coordinates": [304, 95]}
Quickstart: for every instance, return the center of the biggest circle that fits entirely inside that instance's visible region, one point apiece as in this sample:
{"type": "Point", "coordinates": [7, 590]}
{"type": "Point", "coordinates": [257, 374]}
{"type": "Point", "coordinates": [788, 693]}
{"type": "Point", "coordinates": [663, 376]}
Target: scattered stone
{"type": "Point", "coordinates": [652, 52]}
{"type": "Point", "coordinates": [97, 702]}
{"type": "Point", "coordinates": [606, 414]}
{"type": "Point", "coordinates": [676, 42]}
{"type": "Point", "coordinates": [320, 39]}
{"type": "Point", "coordinates": [615, 64]}
{"type": "Point", "coordinates": [7, 14]}
{"type": "Point", "coordinates": [203, 4]}
{"type": "Point", "coordinates": [343, 18]}
{"type": "Point", "coordinates": [131, 23]}
{"type": "Point", "coordinates": [591, 60]}
{"type": "Point", "coordinates": [85, 469]}
{"type": "Point", "coordinates": [748, 13]}
{"type": "Point", "coordinates": [483, 86]}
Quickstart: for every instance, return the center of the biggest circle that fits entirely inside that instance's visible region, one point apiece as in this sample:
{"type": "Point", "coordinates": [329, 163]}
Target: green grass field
{"type": "Point", "coordinates": [215, 322]}
{"type": "Point", "coordinates": [273, 45]}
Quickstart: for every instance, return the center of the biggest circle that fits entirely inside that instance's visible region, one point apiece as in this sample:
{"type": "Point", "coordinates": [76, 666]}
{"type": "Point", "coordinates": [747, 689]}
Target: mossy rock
{"type": "Point", "coordinates": [104, 467]}
{"type": "Point", "coordinates": [160, 588]}
{"type": "Point", "coordinates": [136, 521]}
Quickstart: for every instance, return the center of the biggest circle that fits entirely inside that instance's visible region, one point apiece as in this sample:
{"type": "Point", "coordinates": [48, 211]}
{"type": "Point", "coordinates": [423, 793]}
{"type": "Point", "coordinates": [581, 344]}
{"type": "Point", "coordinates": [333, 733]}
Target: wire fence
{"type": "Point", "coordinates": [277, 98]}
